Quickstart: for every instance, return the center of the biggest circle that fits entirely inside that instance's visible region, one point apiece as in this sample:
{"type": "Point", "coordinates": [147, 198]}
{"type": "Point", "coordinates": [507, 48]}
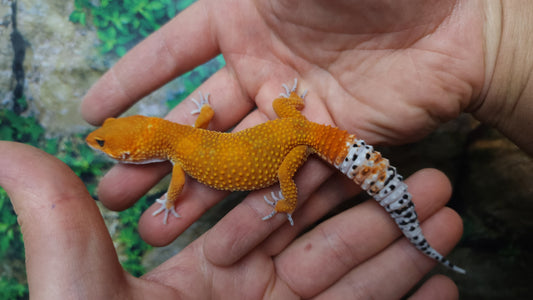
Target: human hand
{"type": "Point", "coordinates": [387, 74]}
{"type": "Point", "coordinates": [354, 254]}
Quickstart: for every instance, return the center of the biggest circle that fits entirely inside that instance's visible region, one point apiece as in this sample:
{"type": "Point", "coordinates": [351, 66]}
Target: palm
{"type": "Point", "coordinates": [389, 75]}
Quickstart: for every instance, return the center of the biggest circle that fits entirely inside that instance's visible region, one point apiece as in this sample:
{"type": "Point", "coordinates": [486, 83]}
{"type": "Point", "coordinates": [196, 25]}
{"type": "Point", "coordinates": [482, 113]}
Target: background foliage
{"type": "Point", "coordinates": [123, 23]}
{"type": "Point", "coordinates": [120, 25]}
{"type": "Point", "coordinates": [12, 279]}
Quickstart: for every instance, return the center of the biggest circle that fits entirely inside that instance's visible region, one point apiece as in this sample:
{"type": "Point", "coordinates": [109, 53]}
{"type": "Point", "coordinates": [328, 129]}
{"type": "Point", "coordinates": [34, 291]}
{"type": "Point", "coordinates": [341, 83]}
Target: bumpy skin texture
{"type": "Point", "coordinates": [250, 159]}
{"type": "Point", "coordinates": [258, 157]}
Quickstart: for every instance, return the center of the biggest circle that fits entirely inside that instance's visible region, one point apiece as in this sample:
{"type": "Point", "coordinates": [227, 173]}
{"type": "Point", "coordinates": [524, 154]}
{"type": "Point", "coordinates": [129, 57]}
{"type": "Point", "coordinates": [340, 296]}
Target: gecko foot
{"type": "Point", "coordinates": [204, 100]}
{"type": "Point", "coordinates": [274, 198]}
{"type": "Point", "coordinates": [163, 208]}
{"type": "Point", "coordinates": [288, 90]}
{"type": "Point", "coordinates": [273, 202]}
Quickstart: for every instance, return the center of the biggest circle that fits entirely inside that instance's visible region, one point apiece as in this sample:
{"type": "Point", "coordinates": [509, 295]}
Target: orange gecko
{"type": "Point", "coordinates": [259, 157]}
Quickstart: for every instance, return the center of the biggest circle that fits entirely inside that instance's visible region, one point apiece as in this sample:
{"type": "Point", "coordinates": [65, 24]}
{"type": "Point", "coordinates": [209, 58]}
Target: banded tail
{"type": "Point", "coordinates": [380, 180]}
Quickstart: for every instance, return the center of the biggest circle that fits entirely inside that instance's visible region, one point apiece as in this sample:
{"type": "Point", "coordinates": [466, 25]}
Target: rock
{"type": "Point", "coordinates": [62, 61]}
{"type": "Point", "coordinates": [497, 212]}
{"type": "Point", "coordinates": [6, 53]}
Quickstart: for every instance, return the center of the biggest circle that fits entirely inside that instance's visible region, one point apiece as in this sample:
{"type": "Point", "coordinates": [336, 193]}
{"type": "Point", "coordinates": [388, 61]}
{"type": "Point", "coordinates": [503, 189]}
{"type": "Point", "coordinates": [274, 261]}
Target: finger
{"type": "Point", "coordinates": [326, 198]}
{"type": "Point", "coordinates": [341, 243]}
{"type": "Point", "coordinates": [183, 43]}
{"type": "Point", "coordinates": [195, 278]}
{"type": "Point", "coordinates": [194, 201]}
{"type": "Point", "coordinates": [242, 229]}
{"type": "Point", "coordinates": [62, 228]}
{"type": "Point", "coordinates": [438, 287]}
{"type": "Point", "coordinates": [124, 184]}
{"type": "Point", "coordinates": [400, 265]}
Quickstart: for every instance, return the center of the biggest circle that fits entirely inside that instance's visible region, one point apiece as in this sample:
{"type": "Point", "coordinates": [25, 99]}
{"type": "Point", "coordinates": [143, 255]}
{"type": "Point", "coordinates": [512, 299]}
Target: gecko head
{"type": "Point", "coordinates": [123, 139]}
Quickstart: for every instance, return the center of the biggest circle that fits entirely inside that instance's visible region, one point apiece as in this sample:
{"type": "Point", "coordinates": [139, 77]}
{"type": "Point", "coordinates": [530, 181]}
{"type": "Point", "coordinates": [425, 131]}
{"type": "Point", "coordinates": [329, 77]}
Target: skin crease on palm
{"type": "Point", "coordinates": [389, 72]}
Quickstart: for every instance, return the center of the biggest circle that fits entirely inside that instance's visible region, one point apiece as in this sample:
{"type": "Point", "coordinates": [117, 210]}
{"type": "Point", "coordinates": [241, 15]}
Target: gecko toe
{"type": "Point", "coordinates": [204, 100]}
{"type": "Point", "coordinates": [267, 217]}
{"type": "Point", "coordinates": [274, 212]}
{"type": "Point", "coordinates": [273, 202]}
{"type": "Point", "coordinates": [275, 198]}
{"type": "Point", "coordinates": [295, 85]}
{"type": "Point", "coordinates": [163, 208]}
{"type": "Point", "coordinates": [289, 90]}
{"type": "Point", "coordinates": [289, 218]}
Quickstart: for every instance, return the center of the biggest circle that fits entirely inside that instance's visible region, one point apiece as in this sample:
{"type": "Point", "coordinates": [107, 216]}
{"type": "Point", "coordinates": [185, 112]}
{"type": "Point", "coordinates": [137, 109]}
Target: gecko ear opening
{"type": "Point", "coordinates": [100, 142]}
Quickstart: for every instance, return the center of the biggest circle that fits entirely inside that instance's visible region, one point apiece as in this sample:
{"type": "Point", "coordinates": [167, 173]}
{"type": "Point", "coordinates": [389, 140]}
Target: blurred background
{"type": "Point", "coordinates": [51, 52]}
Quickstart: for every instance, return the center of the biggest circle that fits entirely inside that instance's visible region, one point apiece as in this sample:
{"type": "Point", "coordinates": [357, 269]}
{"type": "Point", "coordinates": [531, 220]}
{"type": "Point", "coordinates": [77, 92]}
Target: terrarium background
{"type": "Point", "coordinates": [52, 51]}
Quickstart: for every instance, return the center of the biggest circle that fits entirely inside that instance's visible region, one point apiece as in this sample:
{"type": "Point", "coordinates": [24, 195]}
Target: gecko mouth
{"type": "Point", "coordinates": [126, 158]}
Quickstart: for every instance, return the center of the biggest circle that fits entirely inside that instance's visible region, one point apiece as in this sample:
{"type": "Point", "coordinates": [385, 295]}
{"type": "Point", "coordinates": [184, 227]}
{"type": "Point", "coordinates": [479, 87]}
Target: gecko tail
{"type": "Point", "coordinates": [380, 180]}
{"type": "Point", "coordinates": [402, 210]}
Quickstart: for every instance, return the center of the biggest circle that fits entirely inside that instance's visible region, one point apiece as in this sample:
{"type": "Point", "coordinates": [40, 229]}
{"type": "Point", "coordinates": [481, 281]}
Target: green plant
{"type": "Point", "coordinates": [129, 241]}
{"type": "Point", "coordinates": [12, 250]}
{"type": "Point", "coordinates": [193, 79]}
{"type": "Point", "coordinates": [85, 162]}
{"type": "Point", "coordinates": [12, 279]}
{"type": "Point", "coordinates": [122, 23]}
{"type": "Point", "coordinates": [16, 128]}
{"type": "Point", "coordinates": [11, 241]}
{"type": "Point", "coordinates": [12, 289]}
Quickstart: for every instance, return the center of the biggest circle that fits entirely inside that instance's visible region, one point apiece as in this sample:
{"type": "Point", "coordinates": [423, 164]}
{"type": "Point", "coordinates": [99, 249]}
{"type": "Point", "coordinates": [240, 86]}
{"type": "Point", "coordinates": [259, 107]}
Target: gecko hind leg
{"type": "Point", "coordinates": [163, 201]}
{"type": "Point", "coordinates": [288, 197]}
{"type": "Point", "coordinates": [273, 203]}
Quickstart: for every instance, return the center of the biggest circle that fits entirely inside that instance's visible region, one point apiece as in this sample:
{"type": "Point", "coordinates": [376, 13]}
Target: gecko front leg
{"type": "Point", "coordinates": [164, 201]}
{"type": "Point", "coordinates": [169, 199]}
{"type": "Point", "coordinates": [204, 109]}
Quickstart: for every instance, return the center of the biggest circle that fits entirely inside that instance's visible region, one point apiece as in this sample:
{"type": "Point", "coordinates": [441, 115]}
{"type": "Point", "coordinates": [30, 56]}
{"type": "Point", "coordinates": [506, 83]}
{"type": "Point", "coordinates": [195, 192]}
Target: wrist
{"type": "Point", "coordinates": [506, 101]}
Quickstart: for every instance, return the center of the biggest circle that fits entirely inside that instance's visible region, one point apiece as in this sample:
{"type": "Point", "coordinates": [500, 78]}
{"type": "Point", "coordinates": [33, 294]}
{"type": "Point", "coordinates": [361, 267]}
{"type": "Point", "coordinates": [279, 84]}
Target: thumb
{"type": "Point", "coordinates": [68, 249]}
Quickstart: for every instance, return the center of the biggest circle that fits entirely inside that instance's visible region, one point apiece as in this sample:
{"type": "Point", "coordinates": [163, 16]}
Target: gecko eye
{"type": "Point", "coordinates": [100, 142]}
